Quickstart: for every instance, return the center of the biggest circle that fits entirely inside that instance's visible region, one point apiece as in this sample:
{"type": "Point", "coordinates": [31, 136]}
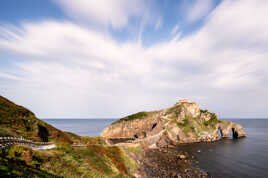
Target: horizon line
{"type": "Point", "coordinates": [119, 118]}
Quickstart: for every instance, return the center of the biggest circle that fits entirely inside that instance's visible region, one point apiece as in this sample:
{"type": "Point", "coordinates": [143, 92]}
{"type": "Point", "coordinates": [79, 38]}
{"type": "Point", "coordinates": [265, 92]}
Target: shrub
{"type": "Point", "coordinates": [203, 111]}
{"type": "Point", "coordinates": [184, 123]}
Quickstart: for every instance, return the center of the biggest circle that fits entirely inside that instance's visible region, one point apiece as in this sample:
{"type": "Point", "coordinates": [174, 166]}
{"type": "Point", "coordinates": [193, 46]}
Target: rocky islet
{"type": "Point", "coordinates": [160, 133]}
{"type": "Point", "coordinates": [182, 123]}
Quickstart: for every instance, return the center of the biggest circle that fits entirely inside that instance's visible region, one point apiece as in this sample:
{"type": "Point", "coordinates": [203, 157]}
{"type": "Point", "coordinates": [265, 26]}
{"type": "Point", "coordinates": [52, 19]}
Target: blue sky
{"type": "Point", "coordinates": [88, 59]}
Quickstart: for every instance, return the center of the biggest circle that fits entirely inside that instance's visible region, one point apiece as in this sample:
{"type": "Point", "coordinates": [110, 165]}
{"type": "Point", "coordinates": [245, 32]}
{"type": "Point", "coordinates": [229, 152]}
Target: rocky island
{"type": "Point", "coordinates": [161, 133]}
{"type": "Point", "coordinates": [182, 123]}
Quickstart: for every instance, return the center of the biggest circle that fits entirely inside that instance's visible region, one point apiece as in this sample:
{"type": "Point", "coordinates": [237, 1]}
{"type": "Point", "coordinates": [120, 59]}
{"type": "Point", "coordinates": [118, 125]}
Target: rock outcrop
{"type": "Point", "coordinates": [185, 122]}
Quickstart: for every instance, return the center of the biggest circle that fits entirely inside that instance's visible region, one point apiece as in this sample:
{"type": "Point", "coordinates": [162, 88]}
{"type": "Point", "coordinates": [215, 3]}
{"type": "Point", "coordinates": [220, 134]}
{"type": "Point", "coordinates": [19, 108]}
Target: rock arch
{"type": "Point", "coordinates": [235, 130]}
{"type": "Point", "coordinates": [219, 132]}
{"type": "Point", "coordinates": [234, 133]}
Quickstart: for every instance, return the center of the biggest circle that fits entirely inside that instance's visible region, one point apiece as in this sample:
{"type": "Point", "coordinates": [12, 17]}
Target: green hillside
{"type": "Point", "coordinates": [95, 160]}
{"type": "Point", "coordinates": [18, 121]}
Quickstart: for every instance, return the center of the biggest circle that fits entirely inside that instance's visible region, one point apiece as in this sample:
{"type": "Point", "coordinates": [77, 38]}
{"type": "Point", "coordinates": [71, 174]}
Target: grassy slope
{"type": "Point", "coordinates": [139, 115]}
{"type": "Point", "coordinates": [96, 160]}
{"type": "Point", "coordinates": [65, 161]}
{"type": "Point", "coordinates": [18, 121]}
{"type": "Point", "coordinates": [194, 126]}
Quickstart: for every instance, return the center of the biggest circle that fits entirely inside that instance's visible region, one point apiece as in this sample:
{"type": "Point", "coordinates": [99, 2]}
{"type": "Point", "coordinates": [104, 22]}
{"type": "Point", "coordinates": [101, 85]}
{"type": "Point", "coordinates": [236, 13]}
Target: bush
{"type": "Point", "coordinates": [184, 124]}
{"type": "Point", "coordinates": [203, 111]}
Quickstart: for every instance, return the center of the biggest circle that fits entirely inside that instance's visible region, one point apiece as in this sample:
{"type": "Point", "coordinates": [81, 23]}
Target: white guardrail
{"type": "Point", "coordinates": [8, 141]}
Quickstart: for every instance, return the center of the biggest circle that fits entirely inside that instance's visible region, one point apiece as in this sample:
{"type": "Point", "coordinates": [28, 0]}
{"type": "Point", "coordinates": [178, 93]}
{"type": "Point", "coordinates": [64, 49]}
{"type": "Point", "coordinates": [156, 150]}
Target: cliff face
{"type": "Point", "coordinates": [185, 122]}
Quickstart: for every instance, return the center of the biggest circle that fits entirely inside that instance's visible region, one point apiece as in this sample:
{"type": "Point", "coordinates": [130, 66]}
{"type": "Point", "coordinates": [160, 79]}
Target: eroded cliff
{"type": "Point", "coordinates": [184, 122]}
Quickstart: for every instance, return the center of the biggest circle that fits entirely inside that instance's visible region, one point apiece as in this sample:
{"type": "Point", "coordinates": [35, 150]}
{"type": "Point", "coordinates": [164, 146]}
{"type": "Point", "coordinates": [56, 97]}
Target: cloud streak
{"type": "Point", "coordinates": [84, 73]}
{"type": "Point", "coordinates": [103, 12]}
{"type": "Point", "coordinates": [199, 9]}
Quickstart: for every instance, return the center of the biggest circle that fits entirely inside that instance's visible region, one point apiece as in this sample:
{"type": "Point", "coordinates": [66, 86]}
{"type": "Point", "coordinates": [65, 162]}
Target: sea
{"type": "Point", "coordinates": [228, 158]}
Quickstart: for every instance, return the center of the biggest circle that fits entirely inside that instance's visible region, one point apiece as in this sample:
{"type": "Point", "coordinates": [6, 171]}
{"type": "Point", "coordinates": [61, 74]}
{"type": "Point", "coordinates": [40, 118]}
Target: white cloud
{"type": "Point", "coordinates": [175, 29]}
{"type": "Point", "coordinates": [158, 23]}
{"type": "Point", "coordinates": [199, 9]}
{"type": "Point", "coordinates": [114, 12]}
{"type": "Point", "coordinates": [6, 76]}
{"type": "Point", "coordinates": [71, 71]}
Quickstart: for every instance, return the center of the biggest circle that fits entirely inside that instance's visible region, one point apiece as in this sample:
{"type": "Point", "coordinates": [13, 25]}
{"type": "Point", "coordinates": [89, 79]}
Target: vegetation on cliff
{"type": "Point", "coordinates": [139, 115]}
{"type": "Point", "coordinates": [97, 159]}
{"type": "Point", "coordinates": [196, 127]}
{"type": "Point", "coordinates": [18, 121]}
{"type": "Point", "coordinates": [66, 161]}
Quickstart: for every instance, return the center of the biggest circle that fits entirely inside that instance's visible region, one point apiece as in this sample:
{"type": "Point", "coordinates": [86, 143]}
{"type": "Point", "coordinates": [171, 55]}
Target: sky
{"type": "Point", "coordinates": [109, 59]}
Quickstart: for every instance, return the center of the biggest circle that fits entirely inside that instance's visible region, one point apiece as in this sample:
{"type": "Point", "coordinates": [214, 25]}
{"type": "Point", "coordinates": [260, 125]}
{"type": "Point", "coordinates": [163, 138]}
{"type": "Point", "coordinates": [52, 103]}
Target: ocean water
{"type": "Point", "coordinates": [83, 127]}
{"type": "Point", "coordinates": [242, 158]}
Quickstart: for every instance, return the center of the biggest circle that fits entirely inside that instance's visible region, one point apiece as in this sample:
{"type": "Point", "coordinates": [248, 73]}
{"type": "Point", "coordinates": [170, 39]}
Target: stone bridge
{"type": "Point", "coordinates": [8, 141]}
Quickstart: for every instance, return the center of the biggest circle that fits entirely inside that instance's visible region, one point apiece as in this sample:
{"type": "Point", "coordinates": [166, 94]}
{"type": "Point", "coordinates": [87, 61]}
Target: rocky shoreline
{"type": "Point", "coordinates": [166, 162]}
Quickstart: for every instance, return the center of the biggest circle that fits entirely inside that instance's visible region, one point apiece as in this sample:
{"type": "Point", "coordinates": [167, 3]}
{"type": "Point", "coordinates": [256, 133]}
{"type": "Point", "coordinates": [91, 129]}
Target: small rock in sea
{"type": "Point", "coordinates": [205, 173]}
{"type": "Point", "coordinates": [179, 176]}
{"type": "Point", "coordinates": [182, 156]}
{"type": "Point", "coordinates": [186, 170]}
{"type": "Point", "coordinates": [174, 174]}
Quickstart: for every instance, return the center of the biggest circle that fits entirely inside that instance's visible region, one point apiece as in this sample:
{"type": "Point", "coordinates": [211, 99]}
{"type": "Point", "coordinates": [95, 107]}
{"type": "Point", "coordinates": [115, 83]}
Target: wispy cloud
{"type": "Point", "coordinates": [175, 29]}
{"type": "Point", "coordinates": [159, 23]}
{"type": "Point", "coordinates": [6, 76]}
{"type": "Point", "coordinates": [199, 9]}
{"type": "Point", "coordinates": [66, 63]}
{"type": "Point", "coordinates": [115, 12]}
